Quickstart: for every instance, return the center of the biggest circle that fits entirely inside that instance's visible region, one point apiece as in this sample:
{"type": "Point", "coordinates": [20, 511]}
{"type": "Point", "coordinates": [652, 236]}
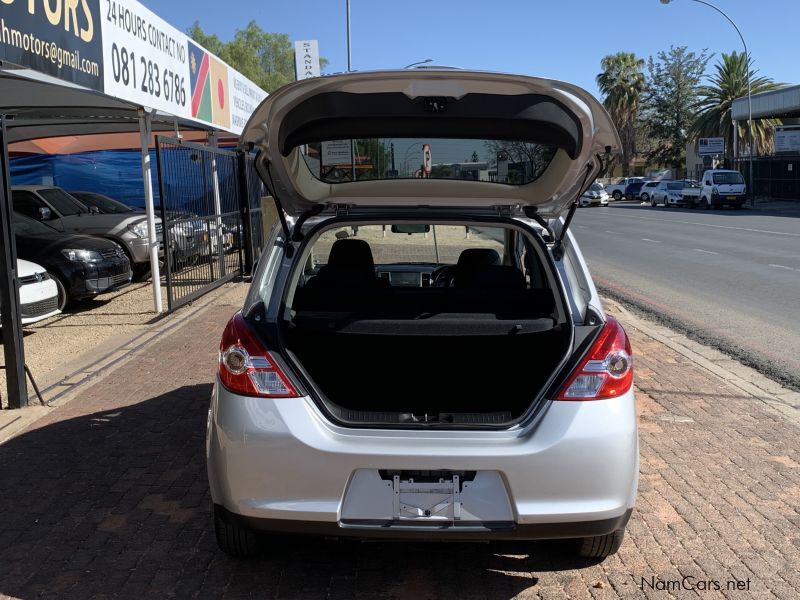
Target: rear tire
{"type": "Point", "coordinates": [703, 204]}
{"type": "Point", "coordinates": [232, 538]}
{"type": "Point", "coordinates": [617, 195]}
{"type": "Point", "coordinates": [645, 197]}
{"type": "Point", "coordinates": [601, 546]}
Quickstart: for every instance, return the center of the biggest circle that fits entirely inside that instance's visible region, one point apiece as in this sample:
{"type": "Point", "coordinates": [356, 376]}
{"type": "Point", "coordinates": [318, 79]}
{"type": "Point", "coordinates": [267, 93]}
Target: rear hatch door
{"type": "Point", "coordinates": [435, 138]}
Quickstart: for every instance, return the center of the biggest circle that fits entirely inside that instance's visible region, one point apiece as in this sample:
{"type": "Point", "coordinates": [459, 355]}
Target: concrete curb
{"type": "Point", "coordinates": [780, 399]}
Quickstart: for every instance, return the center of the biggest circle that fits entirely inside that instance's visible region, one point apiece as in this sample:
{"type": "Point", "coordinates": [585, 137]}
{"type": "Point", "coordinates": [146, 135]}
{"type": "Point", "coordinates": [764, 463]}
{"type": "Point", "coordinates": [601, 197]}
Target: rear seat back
{"type": "Point", "coordinates": [507, 299]}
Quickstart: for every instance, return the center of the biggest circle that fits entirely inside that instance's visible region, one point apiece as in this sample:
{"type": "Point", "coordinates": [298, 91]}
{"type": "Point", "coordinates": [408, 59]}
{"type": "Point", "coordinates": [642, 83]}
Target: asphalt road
{"type": "Point", "coordinates": [730, 279]}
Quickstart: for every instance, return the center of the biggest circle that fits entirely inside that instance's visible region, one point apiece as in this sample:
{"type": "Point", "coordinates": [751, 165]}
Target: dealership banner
{"type": "Point", "coordinates": [123, 49]}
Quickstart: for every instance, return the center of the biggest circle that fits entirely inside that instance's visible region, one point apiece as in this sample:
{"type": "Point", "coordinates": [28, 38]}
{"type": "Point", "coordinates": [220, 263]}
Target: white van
{"type": "Point", "coordinates": [718, 188]}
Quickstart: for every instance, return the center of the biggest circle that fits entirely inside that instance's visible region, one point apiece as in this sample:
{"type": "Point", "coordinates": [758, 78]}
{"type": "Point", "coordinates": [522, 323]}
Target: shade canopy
{"type": "Point", "coordinates": [40, 106]}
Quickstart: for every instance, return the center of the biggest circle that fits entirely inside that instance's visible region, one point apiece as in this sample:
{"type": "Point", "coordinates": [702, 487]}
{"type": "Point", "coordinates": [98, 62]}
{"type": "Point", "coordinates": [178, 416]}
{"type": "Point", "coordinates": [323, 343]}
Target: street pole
{"type": "Point", "coordinates": [749, 94]}
{"type": "Point", "coordinates": [350, 68]}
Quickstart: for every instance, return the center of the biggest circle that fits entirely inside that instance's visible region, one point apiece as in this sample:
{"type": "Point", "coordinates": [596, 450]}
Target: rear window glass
{"type": "Point", "coordinates": [341, 161]}
{"type": "Point", "coordinates": [441, 244]}
{"type": "Point", "coordinates": [728, 178]}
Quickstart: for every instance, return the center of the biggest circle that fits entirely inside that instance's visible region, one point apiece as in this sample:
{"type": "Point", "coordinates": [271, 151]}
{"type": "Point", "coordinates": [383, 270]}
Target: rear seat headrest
{"type": "Point", "coordinates": [494, 277]}
{"type": "Point", "coordinates": [472, 258]}
{"type": "Point", "coordinates": [351, 255]}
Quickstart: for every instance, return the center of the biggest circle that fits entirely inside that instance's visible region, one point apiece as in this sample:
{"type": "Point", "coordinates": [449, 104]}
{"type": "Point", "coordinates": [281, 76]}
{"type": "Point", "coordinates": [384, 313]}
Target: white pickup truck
{"type": "Point", "coordinates": [717, 188]}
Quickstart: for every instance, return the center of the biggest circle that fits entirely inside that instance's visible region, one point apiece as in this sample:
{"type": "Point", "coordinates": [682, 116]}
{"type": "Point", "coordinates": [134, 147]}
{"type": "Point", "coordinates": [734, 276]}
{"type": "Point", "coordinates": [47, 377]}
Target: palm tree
{"type": "Point", "coordinates": [714, 107]}
{"type": "Point", "coordinates": [621, 83]}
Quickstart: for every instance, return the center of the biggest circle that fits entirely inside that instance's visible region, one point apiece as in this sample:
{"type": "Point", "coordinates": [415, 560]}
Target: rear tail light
{"type": "Point", "coordinates": [245, 366]}
{"type": "Point", "coordinates": [607, 369]}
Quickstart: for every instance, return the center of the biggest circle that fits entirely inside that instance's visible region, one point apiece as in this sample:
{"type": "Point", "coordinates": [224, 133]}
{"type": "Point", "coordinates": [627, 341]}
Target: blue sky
{"type": "Point", "coordinates": [562, 39]}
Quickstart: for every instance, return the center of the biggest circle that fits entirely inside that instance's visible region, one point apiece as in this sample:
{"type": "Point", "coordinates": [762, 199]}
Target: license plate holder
{"type": "Point", "coordinates": [427, 500]}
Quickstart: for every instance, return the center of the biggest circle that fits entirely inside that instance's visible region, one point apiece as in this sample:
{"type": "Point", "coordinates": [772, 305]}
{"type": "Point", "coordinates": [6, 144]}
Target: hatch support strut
{"type": "Point", "coordinates": [281, 214]}
{"type": "Point", "coordinates": [558, 247]}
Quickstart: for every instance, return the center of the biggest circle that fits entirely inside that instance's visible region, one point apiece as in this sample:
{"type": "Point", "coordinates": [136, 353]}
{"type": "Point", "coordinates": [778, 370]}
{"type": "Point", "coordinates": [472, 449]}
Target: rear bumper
{"type": "Point", "coordinates": [451, 531]}
{"type": "Point", "coordinates": [281, 466]}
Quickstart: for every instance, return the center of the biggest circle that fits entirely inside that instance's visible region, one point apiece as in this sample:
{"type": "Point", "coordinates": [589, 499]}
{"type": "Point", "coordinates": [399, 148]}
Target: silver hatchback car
{"type": "Point", "coordinates": [422, 353]}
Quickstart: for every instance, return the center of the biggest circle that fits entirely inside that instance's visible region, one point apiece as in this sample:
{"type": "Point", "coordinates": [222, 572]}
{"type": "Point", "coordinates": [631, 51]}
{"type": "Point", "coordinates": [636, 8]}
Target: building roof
{"type": "Point", "coordinates": [781, 103]}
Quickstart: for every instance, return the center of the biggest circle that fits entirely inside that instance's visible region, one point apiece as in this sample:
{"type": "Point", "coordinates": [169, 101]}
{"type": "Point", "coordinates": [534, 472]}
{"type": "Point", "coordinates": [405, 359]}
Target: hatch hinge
{"type": "Point", "coordinates": [504, 210]}
{"type": "Point", "coordinates": [297, 230]}
{"type": "Point", "coordinates": [341, 210]}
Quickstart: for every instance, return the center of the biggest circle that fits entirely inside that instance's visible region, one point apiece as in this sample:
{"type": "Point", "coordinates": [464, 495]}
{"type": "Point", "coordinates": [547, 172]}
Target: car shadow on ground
{"type": "Point", "coordinates": [116, 504]}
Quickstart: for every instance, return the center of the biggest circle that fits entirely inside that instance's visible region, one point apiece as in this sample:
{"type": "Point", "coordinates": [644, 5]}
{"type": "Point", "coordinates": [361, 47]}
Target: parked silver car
{"type": "Point", "coordinates": [425, 356]}
{"type": "Point", "coordinates": [64, 212]}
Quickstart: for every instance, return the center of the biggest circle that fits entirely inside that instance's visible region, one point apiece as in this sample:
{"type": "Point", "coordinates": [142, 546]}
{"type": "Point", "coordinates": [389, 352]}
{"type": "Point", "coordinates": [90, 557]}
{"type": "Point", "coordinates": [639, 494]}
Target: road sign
{"type": "Point", "coordinates": [427, 162]}
{"type": "Point", "coordinates": [306, 59]}
{"type": "Point", "coordinates": [711, 146]}
{"type": "Point", "coordinates": [787, 139]}
{"type": "Point", "coordinates": [336, 152]}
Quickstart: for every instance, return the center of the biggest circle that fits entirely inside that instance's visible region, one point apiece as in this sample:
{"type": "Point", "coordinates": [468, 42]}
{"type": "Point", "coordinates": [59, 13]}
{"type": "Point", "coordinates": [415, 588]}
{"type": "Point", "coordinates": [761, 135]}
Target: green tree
{"type": "Point", "coordinates": [670, 102]}
{"type": "Point", "coordinates": [265, 58]}
{"type": "Point", "coordinates": [621, 83]}
{"type": "Point", "coordinates": [714, 106]}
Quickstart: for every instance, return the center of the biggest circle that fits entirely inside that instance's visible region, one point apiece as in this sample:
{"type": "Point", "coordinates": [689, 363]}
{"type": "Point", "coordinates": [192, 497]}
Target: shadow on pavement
{"type": "Point", "coordinates": [116, 504]}
{"type": "Point", "coordinates": [722, 212]}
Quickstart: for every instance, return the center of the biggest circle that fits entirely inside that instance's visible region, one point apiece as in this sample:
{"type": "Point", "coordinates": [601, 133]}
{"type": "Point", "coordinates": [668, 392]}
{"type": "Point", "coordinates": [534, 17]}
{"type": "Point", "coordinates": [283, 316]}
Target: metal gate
{"type": "Point", "coordinates": [252, 191]}
{"type": "Point", "coordinates": [200, 209]}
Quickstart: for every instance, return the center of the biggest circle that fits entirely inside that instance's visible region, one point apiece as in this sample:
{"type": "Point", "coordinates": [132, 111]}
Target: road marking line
{"type": "Point", "coordinates": [613, 232]}
{"type": "Point", "coordinates": [705, 251]}
{"type": "Point", "coordinates": [649, 240]}
{"type": "Point", "coordinates": [784, 267]}
{"type": "Point", "coordinates": [708, 225]}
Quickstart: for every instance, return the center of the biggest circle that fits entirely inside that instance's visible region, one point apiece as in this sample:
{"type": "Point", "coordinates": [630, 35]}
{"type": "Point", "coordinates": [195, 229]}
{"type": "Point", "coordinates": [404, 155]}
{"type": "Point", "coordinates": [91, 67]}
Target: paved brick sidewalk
{"type": "Point", "coordinates": [107, 497]}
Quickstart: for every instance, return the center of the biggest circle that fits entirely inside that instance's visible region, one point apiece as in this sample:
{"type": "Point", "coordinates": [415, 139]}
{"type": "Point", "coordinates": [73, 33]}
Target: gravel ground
{"type": "Point", "coordinates": [64, 340]}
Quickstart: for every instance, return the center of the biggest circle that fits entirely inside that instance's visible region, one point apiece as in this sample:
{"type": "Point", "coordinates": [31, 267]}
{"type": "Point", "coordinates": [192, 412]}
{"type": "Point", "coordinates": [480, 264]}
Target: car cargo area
{"type": "Point", "coordinates": [477, 352]}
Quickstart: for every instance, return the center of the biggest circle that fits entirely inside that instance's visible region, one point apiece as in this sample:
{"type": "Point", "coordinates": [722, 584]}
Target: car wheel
{"type": "Point", "coordinates": [653, 202]}
{"type": "Point", "coordinates": [703, 203]}
{"type": "Point", "coordinates": [63, 297]}
{"type": "Point", "coordinates": [232, 538]}
{"type": "Point", "coordinates": [617, 195]}
{"type": "Point", "coordinates": [602, 545]}
{"type": "Point", "coordinates": [645, 197]}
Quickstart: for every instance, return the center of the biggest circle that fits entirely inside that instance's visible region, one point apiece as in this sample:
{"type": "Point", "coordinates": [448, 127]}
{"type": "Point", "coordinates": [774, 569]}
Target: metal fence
{"type": "Point", "coordinates": [774, 177]}
{"type": "Point", "coordinates": [201, 217]}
